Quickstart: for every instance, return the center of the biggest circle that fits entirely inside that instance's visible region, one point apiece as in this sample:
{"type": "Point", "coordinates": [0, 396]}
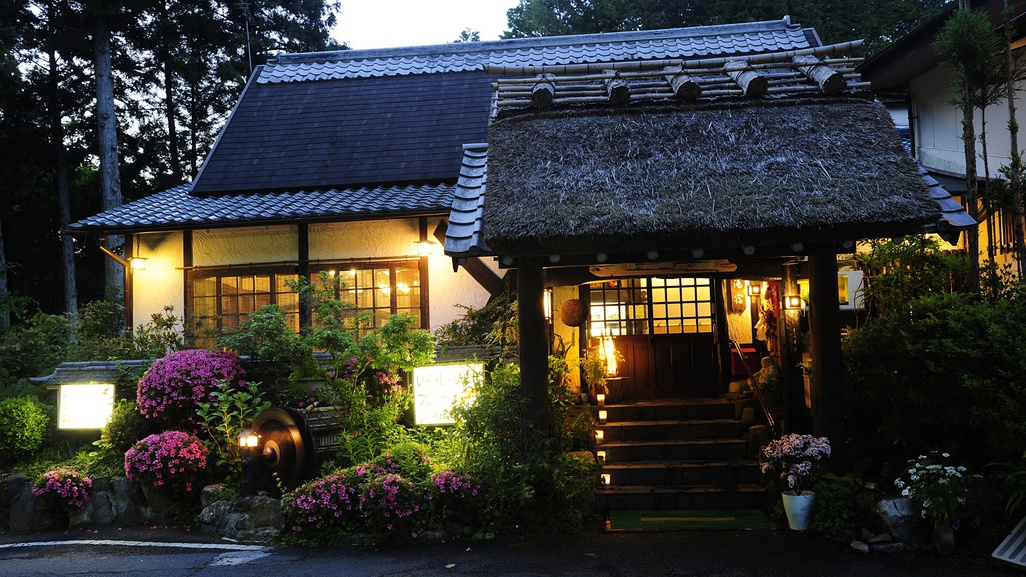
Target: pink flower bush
{"type": "Point", "coordinates": [66, 488]}
{"type": "Point", "coordinates": [455, 497]}
{"type": "Point", "coordinates": [389, 503]}
{"type": "Point", "coordinates": [322, 510]}
{"type": "Point", "coordinates": [796, 457]}
{"type": "Point", "coordinates": [175, 384]}
{"type": "Point", "coordinates": [174, 459]}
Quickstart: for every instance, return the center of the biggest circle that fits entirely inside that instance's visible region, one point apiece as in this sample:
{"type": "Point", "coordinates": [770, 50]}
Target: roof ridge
{"type": "Point", "coordinates": [503, 45]}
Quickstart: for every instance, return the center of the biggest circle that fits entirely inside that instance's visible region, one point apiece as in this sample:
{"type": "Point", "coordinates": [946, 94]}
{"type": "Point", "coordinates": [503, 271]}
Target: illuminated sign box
{"type": "Point", "coordinates": [438, 388]}
{"type": "Point", "coordinates": [84, 406]}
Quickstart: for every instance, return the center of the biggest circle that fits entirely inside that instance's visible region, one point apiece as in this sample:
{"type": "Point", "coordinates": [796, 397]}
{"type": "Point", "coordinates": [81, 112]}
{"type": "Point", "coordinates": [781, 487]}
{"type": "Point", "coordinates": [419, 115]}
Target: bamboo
{"type": "Point", "coordinates": [543, 92]}
{"type": "Point", "coordinates": [683, 85]}
{"type": "Point", "coordinates": [830, 50]}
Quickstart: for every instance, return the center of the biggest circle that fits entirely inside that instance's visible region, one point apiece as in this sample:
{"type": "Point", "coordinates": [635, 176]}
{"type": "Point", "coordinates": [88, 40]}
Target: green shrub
{"type": "Point", "coordinates": [835, 513]}
{"type": "Point", "coordinates": [125, 427]}
{"type": "Point", "coordinates": [939, 360]}
{"type": "Point", "coordinates": [23, 426]}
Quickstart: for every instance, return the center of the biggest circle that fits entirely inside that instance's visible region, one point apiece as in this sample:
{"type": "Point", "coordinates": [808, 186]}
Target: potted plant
{"type": "Point", "coordinates": [796, 457]}
{"type": "Point", "coordinates": [940, 490]}
{"type": "Point", "coordinates": [594, 368]}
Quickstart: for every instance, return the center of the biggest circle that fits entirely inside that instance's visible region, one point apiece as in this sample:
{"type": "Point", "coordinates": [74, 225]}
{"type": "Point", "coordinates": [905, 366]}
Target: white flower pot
{"type": "Point", "coordinates": [798, 509]}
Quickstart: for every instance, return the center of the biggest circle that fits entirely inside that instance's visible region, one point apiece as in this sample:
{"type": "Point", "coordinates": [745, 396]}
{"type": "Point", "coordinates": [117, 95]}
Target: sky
{"type": "Point", "coordinates": [389, 23]}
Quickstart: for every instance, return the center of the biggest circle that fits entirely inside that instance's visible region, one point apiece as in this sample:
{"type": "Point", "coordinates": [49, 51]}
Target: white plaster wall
{"type": "Point", "coordinates": [394, 238]}
{"type": "Point", "coordinates": [245, 245]}
{"type": "Point", "coordinates": [162, 283]}
{"type": "Point", "coordinates": [938, 125]}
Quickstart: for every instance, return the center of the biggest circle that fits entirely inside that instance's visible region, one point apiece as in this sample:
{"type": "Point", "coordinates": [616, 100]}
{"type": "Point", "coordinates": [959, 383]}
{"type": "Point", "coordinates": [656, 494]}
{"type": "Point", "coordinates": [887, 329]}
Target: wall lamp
{"type": "Point", "coordinates": [792, 302]}
{"type": "Point", "coordinates": [755, 289]}
{"type": "Point", "coordinates": [134, 263]}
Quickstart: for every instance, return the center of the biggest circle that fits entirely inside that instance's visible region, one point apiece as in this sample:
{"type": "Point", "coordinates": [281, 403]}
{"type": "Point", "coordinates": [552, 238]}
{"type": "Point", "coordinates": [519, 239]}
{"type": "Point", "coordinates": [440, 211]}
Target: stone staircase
{"type": "Point", "coordinates": [676, 454]}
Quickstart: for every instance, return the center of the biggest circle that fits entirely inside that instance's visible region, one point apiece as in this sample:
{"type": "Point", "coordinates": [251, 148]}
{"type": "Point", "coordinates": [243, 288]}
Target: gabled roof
{"type": "Point", "coordinates": [360, 118]}
{"type": "Point", "coordinates": [807, 158]}
{"type": "Point", "coordinates": [323, 129]}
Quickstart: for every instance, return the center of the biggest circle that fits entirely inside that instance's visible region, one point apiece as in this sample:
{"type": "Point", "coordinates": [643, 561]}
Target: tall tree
{"type": "Point", "coordinates": [973, 49]}
{"type": "Point", "coordinates": [1015, 168]}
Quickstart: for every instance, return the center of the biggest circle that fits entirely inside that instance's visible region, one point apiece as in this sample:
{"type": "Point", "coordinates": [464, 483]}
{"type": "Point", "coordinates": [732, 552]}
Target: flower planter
{"type": "Point", "coordinates": [798, 509]}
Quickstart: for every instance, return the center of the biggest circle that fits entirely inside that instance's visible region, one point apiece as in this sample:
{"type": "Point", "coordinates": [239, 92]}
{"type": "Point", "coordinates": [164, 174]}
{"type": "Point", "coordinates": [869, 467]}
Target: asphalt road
{"type": "Point", "coordinates": [169, 552]}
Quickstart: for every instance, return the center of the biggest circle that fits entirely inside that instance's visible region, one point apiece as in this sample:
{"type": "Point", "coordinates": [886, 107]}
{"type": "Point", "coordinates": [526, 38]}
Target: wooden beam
{"type": "Point", "coordinates": [617, 89]}
{"type": "Point", "coordinates": [534, 345]}
{"type": "Point", "coordinates": [751, 82]}
{"type": "Point", "coordinates": [830, 81]}
{"type": "Point", "coordinates": [684, 85]}
{"type": "Point", "coordinates": [543, 91]}
{"type": "Point", "coordinates": [827, 363]}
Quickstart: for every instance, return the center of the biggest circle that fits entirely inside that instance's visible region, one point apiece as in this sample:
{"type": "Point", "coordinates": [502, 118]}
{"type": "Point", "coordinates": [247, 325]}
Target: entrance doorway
{"type": "Point", "coordinates": [664, 328]}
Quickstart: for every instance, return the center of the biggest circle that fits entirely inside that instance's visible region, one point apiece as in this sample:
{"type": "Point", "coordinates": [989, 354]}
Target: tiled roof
{"type": "Point", "coordinates": [348, 133]}
{"type": "Point", "coordinates": [463, 236]}
{"type": "Point", "coordinates": [697, 42]}
{"type": "Point", "coordinates": [176, 208]}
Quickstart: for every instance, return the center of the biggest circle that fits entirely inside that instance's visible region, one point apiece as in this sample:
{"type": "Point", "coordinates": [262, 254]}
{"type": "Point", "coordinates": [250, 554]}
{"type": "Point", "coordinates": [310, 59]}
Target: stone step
{"type": "Point", "coordinates": [669, 410]}
{"type": "Point", "coordinates": [683, 473]}
{"type": "Point", "coordinates": [674, 450]}
{"type": "Point", "coordinates": [670, 429]}
{"type": "Point", "coordinates": [742, 496]}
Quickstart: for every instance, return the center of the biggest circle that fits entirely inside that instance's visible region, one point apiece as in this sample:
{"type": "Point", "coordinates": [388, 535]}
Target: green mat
{"type": "Point", "coordinates": [683, 519]}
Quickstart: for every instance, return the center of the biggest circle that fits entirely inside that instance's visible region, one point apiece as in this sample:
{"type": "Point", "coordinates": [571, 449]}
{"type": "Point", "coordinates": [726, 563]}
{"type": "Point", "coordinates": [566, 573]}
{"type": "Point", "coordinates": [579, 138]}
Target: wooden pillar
{"type": "Point", "coordinates": [791, 354]}
{"type": "Point", "coordinates": [534, 348]}
{"type": "Point", "coordinates": [303, 270]}
{"type": "Point", "coordinates": [827, 364]}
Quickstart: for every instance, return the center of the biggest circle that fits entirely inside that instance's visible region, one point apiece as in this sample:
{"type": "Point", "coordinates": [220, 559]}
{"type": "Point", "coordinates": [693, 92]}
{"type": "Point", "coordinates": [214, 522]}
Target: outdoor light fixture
{"type": "Point", "coordinates": [599, 436]}
{"type": "Point", "coordinates": [606, 479]}
{"type": "Point", "coordinates": [600, 456]}
{"type": "Point", "coordinates": [792, 302]}
{"type": "Point", "coordinates": [84, 405]}
{"type": "Point", "coordinates": [755, 289]}
{"type": "Point", "coordinates": [248, 439]}
{"type": "Point", "coordinates": [424, 247]}
{"type": "Point", "coordinates": [600, 398]}
{"type": "Point", "coordinates": [603, 414]}
{"type": "Point", "coordinates": [138, 263]}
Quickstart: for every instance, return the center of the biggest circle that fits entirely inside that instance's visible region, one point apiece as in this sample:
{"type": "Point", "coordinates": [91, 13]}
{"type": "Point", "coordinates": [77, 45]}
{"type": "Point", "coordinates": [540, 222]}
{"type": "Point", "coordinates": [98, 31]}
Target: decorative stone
{"type": "Point", "coordinates": [895, 515]}
{"type": "Point", "coordinates": [128, 499]}
{"type": "Point", "coordinates": [28, 515]}
{"type": "Point", "coordinates": [859, 546]}
{"type": "Point", "coordinates": [99, 511]}
{"type": "Point", "coordinates": [887, 548]}
{"type": "Point", "coordinates": [249, 519]}
{"type": "Point", "coordinates": [881, 538]}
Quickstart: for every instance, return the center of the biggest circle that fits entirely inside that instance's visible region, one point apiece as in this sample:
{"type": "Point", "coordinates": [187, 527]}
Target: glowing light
{"type": "Point", "coordinates": [85, 406]}
{"type": "Point", "coordinates": [600, 436]}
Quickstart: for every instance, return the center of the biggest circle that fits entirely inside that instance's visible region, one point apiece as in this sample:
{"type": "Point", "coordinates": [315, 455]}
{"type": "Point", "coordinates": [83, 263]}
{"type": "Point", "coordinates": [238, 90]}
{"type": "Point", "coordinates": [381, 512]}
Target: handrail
{"type": "Point", "coordinates": [755, 387]}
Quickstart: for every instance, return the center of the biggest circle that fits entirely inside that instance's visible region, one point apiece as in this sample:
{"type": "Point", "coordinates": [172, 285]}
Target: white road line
{"type": "Point", "coordinates": [219, 546]}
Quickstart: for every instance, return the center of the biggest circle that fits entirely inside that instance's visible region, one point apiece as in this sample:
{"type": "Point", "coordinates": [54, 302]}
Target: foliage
{"type": "Point", "coordinates": [941, 360]}
{"type": "Point", "coordinates": [228, 410]}
{"type": "Point", "coordinates": [23, 426]}
{"type": "Point", "coordinates": [880, 22]}
{"type": "Point", "coordinates": [835, 513]}
{"type": "Point", "coordinates": [1011, 475]}
{"type": "Point", "coordinates": [796, 458]}
{"type": "Point", "coordinates": [456, 499]}
{"type": "Point", "coordinates": [172, 388]}
{"type": "Point", "coordinates": [125, 427]}
{"type": "Point", "coordinates": [529, 479]}
{"type": "Point", "coordinates": [172, 459]}
{"type": "Point", "coordinates": [390, 505]}
{"type": "Point", "coordinates": [34, 347]}
{"type": "Point", "coordinates": [322, 511]}
{"type": "Point", "coordinates": [939, 489]}
{"type": "Point", "coordinates": [494, 324]}
{"type": "Point", "coordinates": [276, 354]}
{"type": "Point", "coordinates": [900, 272]}
{"type": "Point", "coordinates": [65, 489]}
{"type": "Point", "coordinates": [974, 49]}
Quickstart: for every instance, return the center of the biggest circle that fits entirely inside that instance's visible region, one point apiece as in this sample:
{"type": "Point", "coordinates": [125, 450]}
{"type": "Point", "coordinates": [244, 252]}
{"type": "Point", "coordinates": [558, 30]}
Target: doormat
{"type": "Point", "coordinates": [688, 519]}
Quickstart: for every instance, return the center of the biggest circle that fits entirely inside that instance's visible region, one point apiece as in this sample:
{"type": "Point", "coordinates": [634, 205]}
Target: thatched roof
{"type": "Point", "coordinates": [705, 175]}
